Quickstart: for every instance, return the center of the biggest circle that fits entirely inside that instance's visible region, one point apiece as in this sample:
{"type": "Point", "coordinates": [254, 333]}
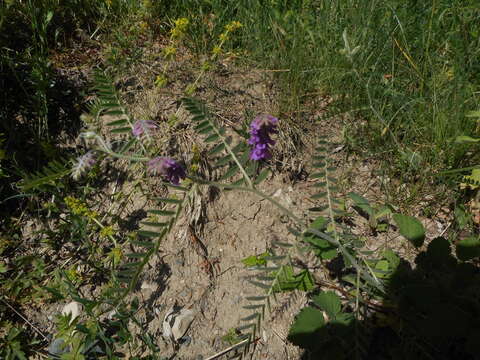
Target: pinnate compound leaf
{"type": "Point", "coordinates": [410, 228]}
{"type": "Point", "coordinates": [329, 302]}
{"type": "Point", "coordinates": [304, 330]}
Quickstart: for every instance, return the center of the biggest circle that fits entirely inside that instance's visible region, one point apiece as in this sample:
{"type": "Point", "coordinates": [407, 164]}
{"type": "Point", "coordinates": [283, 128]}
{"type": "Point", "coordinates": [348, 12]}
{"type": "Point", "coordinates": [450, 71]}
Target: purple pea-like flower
{"type": "Point", "coordinates": [142, 127]}
{"type": "Point", "coordinates": [168, 168]}
{"type": "Point", "coordinates": [260, 130]}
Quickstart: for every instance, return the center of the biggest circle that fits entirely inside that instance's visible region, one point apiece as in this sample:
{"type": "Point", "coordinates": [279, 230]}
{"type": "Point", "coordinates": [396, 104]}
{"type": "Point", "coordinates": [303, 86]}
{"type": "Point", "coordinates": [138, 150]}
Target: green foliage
{"type": "Point", "coordinates": [47, 177]}
{"type": "Point", "coordinates": [256, 260]}
{"type": "Point", "coordinates": [373, 213]}
{"type": "Point", "coordinates": [410, 228]}
{"type": "Point", "coordinates": [13, 343]}
{"type": "Point", "coordinates": [468, 248]}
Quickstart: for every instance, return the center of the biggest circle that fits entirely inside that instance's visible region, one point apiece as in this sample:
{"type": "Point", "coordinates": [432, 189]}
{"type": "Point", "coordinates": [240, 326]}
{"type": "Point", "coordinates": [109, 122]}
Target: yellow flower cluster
{"type": "Point", "coordinates": [230, 27]}
{"type": "Point", "coordinates": [161, 80]}
{"type": "Point", "coordinates": [107, 231]}
{"type": "Point", "coordinates": [234, 25]}
{"type": "Point", "coordinates": [78, 207]}
{"type": "Point", "coordinates": [143, 26]}
{"type": "Point", "coordinates": [217, 50]}
{"type": "Point", "coordinates": [180, 28]}
{"type": "Point", "coordinates": [169, 51]}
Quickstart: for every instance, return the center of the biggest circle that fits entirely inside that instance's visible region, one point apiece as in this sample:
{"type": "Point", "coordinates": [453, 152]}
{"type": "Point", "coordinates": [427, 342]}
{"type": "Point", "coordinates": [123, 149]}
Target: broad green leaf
{"type": "Point", "coordinates": [410, 228]}
{"type": "Point", "coordinates": [303, 331]}
{"type": "Point", "coordinates": [392, 258]}
{"type": "Point", "coordinates": [381, 268]}
{"type": "Point", "coordinates": [329, 302]}
{"type": "Point", "coordinates": [468, 248]}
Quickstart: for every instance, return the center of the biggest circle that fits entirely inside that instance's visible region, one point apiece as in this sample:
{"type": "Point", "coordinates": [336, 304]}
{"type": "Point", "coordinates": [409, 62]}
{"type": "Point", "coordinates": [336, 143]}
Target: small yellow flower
{"type": "Point", "coordinates": [147, 4]}
{"type": "Point", "coordinates": [234, 25]}
{"type": "Point", "coordinates": [223, 36]}
{"type": "Point", "coordinates": [217, 50]}
{"type": "Point", "coordinates": [143, 26]}
{"type": "Point", "coordinates": [161, 80]}
{"type": "Point", "coordinates": [108, 3]}
{"type": "Point", "coordinates": [190, 89]}
{"type": "Point", "coordinates": [206, 66]}
{"type": "Point", "coordinates": [180, 28]}
{"type": "Point", "coordinates": [107, 231]}
{"type": "Point", "coordinates": [169, 51]}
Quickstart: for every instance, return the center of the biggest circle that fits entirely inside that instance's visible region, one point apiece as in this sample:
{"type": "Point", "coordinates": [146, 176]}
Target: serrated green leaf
{"type": "Point", "coordinates": [329, 302]}
{"type": "Point", "coordinates": [256, 260]}
{"type": "Point", "coordinates": [410, 228]}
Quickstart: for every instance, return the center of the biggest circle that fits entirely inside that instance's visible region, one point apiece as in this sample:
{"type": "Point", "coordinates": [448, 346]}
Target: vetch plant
{"type": "Point", "coordinates": [260, 130]}
{"type": "Point", "coordinates": [168, 168]}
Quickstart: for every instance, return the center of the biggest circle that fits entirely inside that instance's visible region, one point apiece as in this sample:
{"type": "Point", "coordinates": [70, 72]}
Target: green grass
{"type": "Point", "coordinates": [414, 78]}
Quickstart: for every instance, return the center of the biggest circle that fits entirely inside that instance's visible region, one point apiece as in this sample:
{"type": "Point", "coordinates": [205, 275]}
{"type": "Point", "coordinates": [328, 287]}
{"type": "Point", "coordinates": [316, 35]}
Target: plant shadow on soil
{"type": "Point", "coordinates": [431, 311]}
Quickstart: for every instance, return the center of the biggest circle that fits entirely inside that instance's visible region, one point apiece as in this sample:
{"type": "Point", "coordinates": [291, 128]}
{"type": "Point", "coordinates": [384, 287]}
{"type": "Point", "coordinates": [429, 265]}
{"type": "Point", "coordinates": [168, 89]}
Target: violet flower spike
{"type": "Point", "coordinates": [83, 163]}
{"type": "Point", "coordinates": [167, 168]}
{"type": "Point", "coordinates": [260, 130]}
{"type": "Point", "coordinates": [143, 127]}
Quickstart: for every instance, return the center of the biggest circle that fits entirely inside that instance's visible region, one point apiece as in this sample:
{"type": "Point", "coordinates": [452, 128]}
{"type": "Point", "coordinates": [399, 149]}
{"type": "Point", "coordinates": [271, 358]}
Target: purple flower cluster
{"type": "Point", "coordinates": [142, 127]}
{"type": "Point", "coordinates": [260, 130]}
{"type": "Point", "coordinates": [168, 168]}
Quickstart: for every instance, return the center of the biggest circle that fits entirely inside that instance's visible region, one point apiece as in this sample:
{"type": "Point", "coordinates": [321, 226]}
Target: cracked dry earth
{"type": "Point", "coordinates": [239, 225]}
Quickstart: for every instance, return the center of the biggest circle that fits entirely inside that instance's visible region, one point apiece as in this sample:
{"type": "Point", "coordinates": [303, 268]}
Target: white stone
{"type": "Point", "coordinates": [74, 308]}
